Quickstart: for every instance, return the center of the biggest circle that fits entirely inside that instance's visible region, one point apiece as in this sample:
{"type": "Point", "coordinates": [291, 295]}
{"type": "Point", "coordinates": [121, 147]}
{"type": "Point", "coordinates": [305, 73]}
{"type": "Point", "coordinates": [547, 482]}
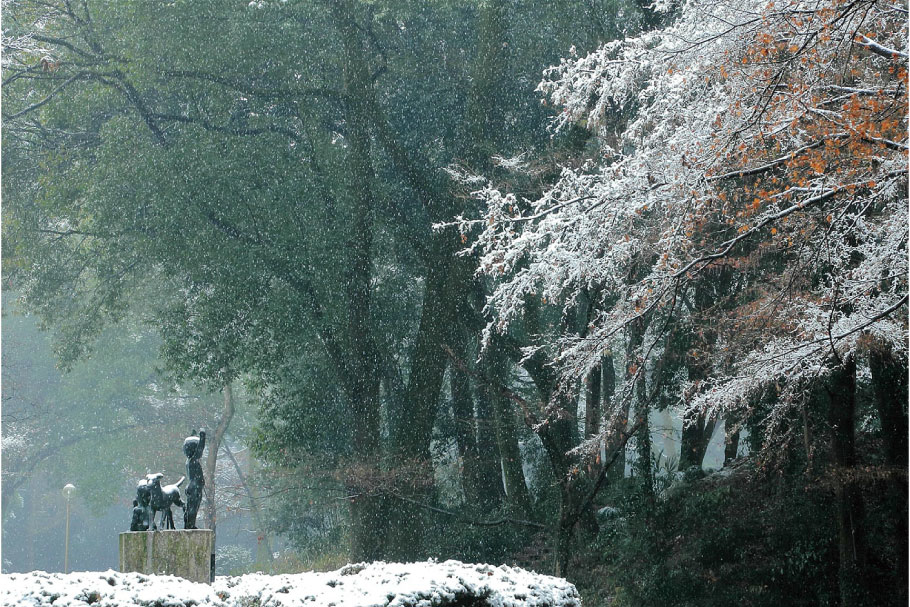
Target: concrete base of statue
{"type": "Point", "coordinates": [185, 553]}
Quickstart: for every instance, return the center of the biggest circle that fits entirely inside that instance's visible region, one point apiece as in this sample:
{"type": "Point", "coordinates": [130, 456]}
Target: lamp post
{"type": "Point", "coordinates": [67, 493]}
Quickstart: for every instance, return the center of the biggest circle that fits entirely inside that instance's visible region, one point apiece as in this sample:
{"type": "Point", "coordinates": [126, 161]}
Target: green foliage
{"type": "Point", "coordinates": [729, 538]}
{"type": "Point", "coordinates": [476, 543]}
{"type": "Point", "coordinates": [195, 157]}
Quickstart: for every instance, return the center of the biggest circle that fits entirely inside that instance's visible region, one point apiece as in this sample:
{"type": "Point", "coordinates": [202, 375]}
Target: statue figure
{"type": "Point", "coordinates": [192, 449]}
{"type": "Point", "coordinates": [162, 498]}
{"type": "Point", "coordinates": [137, 523]}
{"type": "Point", "coordinates": [143, 501]}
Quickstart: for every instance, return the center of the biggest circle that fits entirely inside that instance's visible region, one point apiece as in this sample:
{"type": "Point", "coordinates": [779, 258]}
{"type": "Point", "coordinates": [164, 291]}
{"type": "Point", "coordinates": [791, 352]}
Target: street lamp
{"type": "Point", "coordinates": [67, 493]}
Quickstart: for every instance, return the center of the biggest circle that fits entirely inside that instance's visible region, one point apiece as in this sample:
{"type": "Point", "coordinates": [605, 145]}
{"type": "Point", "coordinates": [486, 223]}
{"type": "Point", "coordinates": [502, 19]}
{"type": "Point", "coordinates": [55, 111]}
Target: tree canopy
{"type": "Point", "coordinates": [440, 243]}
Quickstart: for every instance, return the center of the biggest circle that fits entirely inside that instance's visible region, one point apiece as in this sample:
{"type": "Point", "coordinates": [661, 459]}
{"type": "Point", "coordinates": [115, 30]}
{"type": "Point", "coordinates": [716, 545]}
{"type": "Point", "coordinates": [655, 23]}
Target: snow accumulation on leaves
{"type": "Point", "coordinates": [752, 153]}
{"type": "Point", "coordinates": [428, 584]}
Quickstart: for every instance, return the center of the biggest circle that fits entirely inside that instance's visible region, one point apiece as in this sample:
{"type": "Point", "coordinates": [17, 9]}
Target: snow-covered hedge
{"type": "Point", "coordinates": [430, 584]}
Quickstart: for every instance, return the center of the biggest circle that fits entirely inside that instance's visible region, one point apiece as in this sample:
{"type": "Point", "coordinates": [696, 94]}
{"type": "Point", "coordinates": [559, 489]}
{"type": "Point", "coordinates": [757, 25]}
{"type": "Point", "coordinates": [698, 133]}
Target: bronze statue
{"type": "Point", "coordinates": [192, 449]}
{"type": "Point", "coordinates": [137, 522]}
{"type": "Point", "coordinates": [143, 501]}
{"type": "Point", "coordinates": [162, 498]}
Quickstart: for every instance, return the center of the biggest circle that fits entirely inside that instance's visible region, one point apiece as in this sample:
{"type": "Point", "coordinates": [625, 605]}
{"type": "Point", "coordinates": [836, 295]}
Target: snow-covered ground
{"type": "Point", "coordinates": [429, 584]}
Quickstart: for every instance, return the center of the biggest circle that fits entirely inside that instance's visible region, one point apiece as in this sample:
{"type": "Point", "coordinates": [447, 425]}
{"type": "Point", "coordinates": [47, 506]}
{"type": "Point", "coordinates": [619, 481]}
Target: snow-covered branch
{"type": "Point", "coordinates": [745, 150]}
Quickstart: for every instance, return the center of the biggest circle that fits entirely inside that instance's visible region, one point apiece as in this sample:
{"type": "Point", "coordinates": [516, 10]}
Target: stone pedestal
{"type": "Point", "coordinates": [185, 553]}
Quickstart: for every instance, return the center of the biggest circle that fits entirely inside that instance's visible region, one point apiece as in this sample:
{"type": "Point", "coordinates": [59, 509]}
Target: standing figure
{"type": "Point", "coordinates": [192, 449]}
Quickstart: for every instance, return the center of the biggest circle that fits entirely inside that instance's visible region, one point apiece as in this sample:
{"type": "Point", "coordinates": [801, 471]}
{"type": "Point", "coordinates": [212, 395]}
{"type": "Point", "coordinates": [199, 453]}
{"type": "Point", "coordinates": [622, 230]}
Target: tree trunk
{"type": "Point", "coordinates": [559, 437]}
{"type": "Point", "coordinates": [491, 488]}
{"type": "Point", "coordinates": [484, 112]}
{"type": "Point", "coordinates": [368, 508]}
{"type": "Point", "coordinates": [696, 434]}
{"type": "Point", "coordinates": [731, 441]}
{"type": "Point", "coordinates": [511, 472]}
{"type": "Point", "coordinates": [264, 541]}
{"type": "Point", "coordinates": [214, 444]}
{"type": "Point", "coordinates": [517, 496]}
{"type": "Point", "coordinates": [706, 437]}
{"type": "Point", "coordinates": [889, 379]}
{"type": "Point", "coordinates": [413, 428]}
{"type": "Point", "coordinates": [620, 418]}
{"type": "Point", "coordinates": [465, 432]}
{"type": "Point", "coordinates": [369, 520]}
{"type": "Point", "coordinates": [697, 429]}
{"type": "Point", "coordinates": [644, 464]}
{"type": "Point", "coordinates": [617, 470]}
{"type": "Point", "coordinates": [30, 511]}
{"type": "Point", "coordinates": [361, 370]}
{"type": "Point", "coordinates": [850, 511]}
{"type": "Point", "coordinates": [592, 402]}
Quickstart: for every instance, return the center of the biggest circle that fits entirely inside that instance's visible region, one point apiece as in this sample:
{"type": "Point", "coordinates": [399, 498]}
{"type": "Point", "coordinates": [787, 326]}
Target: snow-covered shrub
{"type": "Point", "coordinates": [427, 584]}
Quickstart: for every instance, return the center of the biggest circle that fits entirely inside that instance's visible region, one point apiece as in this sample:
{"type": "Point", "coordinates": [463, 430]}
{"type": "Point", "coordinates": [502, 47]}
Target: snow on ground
{"type": "Point", "coordinates": [429, 584]}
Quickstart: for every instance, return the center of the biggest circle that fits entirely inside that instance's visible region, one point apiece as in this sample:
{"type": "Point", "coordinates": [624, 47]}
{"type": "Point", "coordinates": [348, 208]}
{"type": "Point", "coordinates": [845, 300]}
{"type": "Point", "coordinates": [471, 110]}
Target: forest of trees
{"type": "Point", "coordinates": [468, 259]}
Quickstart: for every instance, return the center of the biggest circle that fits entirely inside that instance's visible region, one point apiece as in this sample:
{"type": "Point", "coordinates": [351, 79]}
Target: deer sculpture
{"type": "Point", "coordinates": [162, 499]}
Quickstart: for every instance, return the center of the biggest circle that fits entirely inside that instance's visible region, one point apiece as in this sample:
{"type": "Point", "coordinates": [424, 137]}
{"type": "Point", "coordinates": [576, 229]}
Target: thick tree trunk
{"type": "Point", "coordinates": [645, 469]}
{"type": "Point", "coordinates": [361, 370]}
{"type": "Point", "coordinates": [465, 432]}
{"type": "Point", "coordinates": [731, 441]}
{"type": "Point", "coordinates": [850, 511]}
{"type": "Point", "coordinates": [509, 469]}
{"type": "Point", "coordinates": [491, 489]}
{"type": "Point", "coordinates": [484, 112]}
{"type": "Point", "coordinates": [644, 465]}
{"type": "Point", "coordinates": [889, 379]}
{"type": "Point", "coordinates": [475, 436]}
{"type": "Point", "coordinates": [556, 440]}
{"type": "Point", "coordinates": [517, 496]}
{"type": "Point", "coordinates": [369, 520]}
{"type": "Point", "coordinates": [413, 428]}
{"type": "Point", "coordinates": [593, 410]}
{"type": "Point", "coordinates": [444, 283]}
{"type": "Point", "coordinates": [696, 435]}
{"type": "Point", "coordinates": [559, 436]}
{"type": "Point", "coordinates": [697, 429]}
{"type": "Point", "coordinates": [32, 528]}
